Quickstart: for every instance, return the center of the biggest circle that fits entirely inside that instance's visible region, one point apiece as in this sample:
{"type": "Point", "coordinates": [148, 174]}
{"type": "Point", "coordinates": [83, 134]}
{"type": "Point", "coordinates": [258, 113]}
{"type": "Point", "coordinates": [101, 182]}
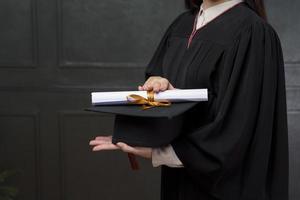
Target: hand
{"type": "Point", "coordinates": [157, 84]}
{"type": "Point", "coordinates": [102, 143]}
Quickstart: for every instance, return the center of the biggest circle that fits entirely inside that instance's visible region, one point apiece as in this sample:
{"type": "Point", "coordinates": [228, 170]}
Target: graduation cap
{"type": "Point", "coordinates": [153, 127]}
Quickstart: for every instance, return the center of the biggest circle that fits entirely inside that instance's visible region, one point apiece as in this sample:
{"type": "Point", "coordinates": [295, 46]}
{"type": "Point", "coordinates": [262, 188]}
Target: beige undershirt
{"type": "Point", "coordinates": [166, 155]}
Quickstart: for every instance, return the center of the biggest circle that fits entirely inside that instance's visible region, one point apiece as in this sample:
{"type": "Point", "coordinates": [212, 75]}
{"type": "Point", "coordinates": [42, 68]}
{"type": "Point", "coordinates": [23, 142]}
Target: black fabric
{"type": "Point", "coordinates": [235, 146]}
{"type": "Point", "coordinates": [146, 131]}
{"type": "Point", "coordinates": [136, 110]}
{"type": "Point", "coordinates": [154, 127]}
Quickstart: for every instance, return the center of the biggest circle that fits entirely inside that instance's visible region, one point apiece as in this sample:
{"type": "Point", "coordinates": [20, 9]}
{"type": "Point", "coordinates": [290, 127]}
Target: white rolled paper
{"type": "Point", "coordinates": [177, 95]}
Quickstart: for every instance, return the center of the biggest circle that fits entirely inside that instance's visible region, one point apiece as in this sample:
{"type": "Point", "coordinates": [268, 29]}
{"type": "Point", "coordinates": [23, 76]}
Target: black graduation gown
{"type": "Point", "coordinates": [235, 146]}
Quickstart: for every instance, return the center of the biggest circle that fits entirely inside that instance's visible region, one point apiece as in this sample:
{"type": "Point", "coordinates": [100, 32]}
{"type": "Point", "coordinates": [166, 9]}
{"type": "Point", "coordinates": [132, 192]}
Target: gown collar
{"type": "Point", "coordinates": [208, 14]}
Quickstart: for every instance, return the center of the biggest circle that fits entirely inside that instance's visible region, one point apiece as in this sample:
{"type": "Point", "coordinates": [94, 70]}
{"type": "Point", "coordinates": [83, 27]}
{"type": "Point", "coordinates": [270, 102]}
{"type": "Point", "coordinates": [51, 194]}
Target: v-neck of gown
{"type": "Point", "coordinates": [195, 32]}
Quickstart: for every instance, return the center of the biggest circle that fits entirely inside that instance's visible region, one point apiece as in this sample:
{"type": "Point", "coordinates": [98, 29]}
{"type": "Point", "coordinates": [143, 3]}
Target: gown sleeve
{"type": "Point", "coordinates": [154, 67]}
{"type": "Point", "coordinates": [250, 111]}
{"type": "Point", "coordinates": [165, 156]}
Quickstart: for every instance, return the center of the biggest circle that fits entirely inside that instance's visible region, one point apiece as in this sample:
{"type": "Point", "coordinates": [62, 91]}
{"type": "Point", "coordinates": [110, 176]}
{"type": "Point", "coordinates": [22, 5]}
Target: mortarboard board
{"type": "Point", "coordinates": [154, 127]}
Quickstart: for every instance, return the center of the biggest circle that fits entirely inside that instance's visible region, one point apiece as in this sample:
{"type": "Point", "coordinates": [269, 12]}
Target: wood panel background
{"type": "Point", "coordinates": [54, 53]}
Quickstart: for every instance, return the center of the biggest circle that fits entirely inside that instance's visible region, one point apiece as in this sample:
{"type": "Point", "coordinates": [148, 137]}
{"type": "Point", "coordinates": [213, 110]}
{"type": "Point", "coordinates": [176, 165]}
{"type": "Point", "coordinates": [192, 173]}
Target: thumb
{"type": "Point", "coordinates": [171, 87]}
{"type": "Point", "coordinates": [126, 148]}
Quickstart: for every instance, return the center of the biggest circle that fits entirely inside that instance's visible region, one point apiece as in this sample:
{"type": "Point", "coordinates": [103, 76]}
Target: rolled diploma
{"type": "Point", "coordinates": [177, 95]}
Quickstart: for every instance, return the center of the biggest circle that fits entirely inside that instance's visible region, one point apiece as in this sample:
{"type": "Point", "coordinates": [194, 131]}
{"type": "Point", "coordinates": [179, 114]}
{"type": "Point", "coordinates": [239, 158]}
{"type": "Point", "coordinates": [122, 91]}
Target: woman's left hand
{"type": "Point", "coordinates": [101, 143]}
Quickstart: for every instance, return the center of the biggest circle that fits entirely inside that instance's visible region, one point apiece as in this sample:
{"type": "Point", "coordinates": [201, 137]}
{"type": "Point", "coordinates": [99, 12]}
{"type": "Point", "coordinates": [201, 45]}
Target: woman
{"type": "Point", "coordinates": [235, 146]}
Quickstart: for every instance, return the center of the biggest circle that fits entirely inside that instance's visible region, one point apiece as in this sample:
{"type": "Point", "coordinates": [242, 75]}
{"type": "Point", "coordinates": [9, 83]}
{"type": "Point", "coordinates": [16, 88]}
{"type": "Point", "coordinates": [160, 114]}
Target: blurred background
{"type": "Point", "coordinates": [53, 53]}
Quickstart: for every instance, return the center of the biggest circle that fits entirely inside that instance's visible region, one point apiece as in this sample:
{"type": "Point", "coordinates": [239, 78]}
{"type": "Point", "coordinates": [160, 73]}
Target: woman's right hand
{"type": "Point", "coordinates": [157, 84]}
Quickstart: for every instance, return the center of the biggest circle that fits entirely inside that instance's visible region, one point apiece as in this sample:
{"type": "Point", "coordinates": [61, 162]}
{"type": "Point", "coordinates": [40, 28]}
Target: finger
{"type": "Point", "coordinates": [144, 86]}
{"type": "Point", "coordinates": [98, 142]}
{"type": "Point", "coordinates": [104, 147]}
{"type": "Point", "coordinates": [164, 85]}
{"type": "Point", "coordinates": [156, 86]}
{"type": "Point", "coordinates": [104, 138]}
{"type": "Point", "coordinates": [148, 85]}
{"type": "Point", "coordinates": [171, 87]}
{"type": "Point", "coordinates": [126, 148]}
{"type": "Point", "coordinates": [141, 88]}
